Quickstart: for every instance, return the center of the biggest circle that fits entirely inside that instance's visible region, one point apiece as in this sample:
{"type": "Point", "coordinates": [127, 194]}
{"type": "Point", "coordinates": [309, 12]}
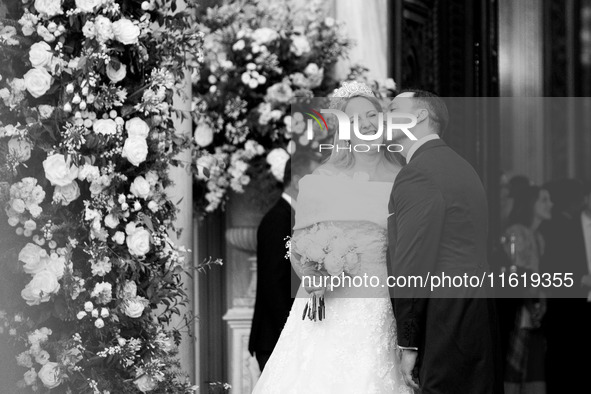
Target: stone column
{"type": "Point", "coordinates": [182, 191]}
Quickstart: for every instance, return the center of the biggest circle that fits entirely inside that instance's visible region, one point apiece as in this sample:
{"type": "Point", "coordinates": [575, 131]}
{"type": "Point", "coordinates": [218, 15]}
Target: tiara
{"type": "Point", "coordinates": [347, 90]}
{"type": "Point", "coordinates": [353, 88]}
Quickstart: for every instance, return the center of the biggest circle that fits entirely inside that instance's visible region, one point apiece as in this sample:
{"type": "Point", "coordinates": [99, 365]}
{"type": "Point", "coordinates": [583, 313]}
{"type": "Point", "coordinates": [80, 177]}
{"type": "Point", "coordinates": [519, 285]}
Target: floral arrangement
{"type": "Point", "coordinates": [86, 141]}
{"type": "Point", "coordinates": [260, 55]}
{"type": "Point", "coordinates": [326, 248]}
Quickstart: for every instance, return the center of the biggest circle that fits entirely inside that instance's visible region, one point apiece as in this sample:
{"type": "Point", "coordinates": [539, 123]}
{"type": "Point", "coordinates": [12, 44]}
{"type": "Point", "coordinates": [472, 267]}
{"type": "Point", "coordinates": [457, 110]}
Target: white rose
{"type": "Point", "coordinates": [129, 289]}
{"type": "Point", "coordinates": [66, 194]}
{"type": "Point", "coordinates": [152, 177]}
{"type": "Point", "coordinates": [135, 150]}
{"type": "Point", "coordinates": [87, 5]}
{"type": "Point", "coordinates": [203, 134]}
{"type": "Point", "coordinates": [33, 256]}
{"type": "Point", "coordinates": [136, 127]}
{"type": "Point", "coordinates": [111, 221]}
{"type": "Point", "coordinates": [103, 28]}
{"type": "Point", "coordinates": [81, 315]}
{"type": "Point", "coordinates": [138, 242]}
{"type": "Point", "coordinates": [58, 171]}
{"type": "Point", "coordinates": [99, 323]}
{"type": "Point", "coordinates": [134, 307]}
{"type": "Point", "coordinates": [57, 265]}
{"type": "Point", "coordinates": [45, 111]}
{"type": "Point", "coordinates": [37, 81]}
{"type": "Point", "coordinates": [105, 127]}
{"type": "Point", "coordinates": [277, 159]}
{"type": "Point", "coordinates": [30, 377]}
{"type": "Point", "coordinates": [126, 32]}
{"type": "Point", "coordinates": [40, 288]}
{"type": "Point", "coordinates": [140, 187]}
{"type": "Point", "coordinates": [299, 45]}
{"type": "Point", "coordinates": [119, 237]}
{"type": "Point", "coordinates": [40, 54]}
{"type": "Point", "coordinates": [20, 148]}
{"type": "Point", "coordinates": [49, 8]}
{"type": "Point", "coordinates": [145, 383]}
{"type": "Point", "coordinates": [50, 375]}
{"type": "Point", "coordinates": [89, 173]}
{"type": "Point", "coordinates": [89, 31]}
{"type": "Point", "coordinates": [264, 35]}
{"type": "Point", "coordinates": [238, 45]}
{"type": "Point", "coordinates": [116, 75]}
{"type": "Point", "coordinates": [42, 357]}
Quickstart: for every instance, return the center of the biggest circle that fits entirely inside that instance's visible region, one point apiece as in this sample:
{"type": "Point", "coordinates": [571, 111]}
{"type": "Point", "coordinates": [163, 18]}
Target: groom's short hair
{"type": "Point", "coordinates": [435, 105]}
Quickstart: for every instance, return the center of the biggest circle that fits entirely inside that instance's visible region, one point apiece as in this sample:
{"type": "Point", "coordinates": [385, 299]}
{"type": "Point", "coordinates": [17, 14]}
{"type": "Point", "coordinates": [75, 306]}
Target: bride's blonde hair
{"type": "Point", "coordinates": [341, 156]}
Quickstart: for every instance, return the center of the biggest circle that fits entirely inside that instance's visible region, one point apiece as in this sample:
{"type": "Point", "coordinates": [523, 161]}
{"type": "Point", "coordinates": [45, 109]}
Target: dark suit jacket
{"type": "Point", "coordinates": [274, 279]}
{"type": "Point", "coordinates": [439, 223]}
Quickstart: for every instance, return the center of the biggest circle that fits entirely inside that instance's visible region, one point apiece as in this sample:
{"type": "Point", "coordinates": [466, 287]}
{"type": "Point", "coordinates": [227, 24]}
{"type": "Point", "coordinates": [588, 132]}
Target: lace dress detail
{"type": "Point", "coordinates": [352, 351]}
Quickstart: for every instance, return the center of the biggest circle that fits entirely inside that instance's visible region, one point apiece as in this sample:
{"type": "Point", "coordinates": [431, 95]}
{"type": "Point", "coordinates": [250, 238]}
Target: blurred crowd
{"type": "Point", "coordinates": [546, 331]}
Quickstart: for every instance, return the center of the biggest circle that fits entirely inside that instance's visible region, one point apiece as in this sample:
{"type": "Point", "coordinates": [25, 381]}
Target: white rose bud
{"type": "Point", "coordinates": [88, 306]}
{"type": "Point", "coordinates": [104, 313]}
{"type": "Point", "coordinates": [81, 315]}
{"type": "Point", "coordinates": [94, 313]}
{"type": "Point", "coordinates": [99, 323]}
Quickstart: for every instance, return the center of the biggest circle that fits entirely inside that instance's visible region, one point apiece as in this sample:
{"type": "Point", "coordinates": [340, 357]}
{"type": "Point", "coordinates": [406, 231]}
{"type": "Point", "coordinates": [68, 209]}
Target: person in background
{"type": "Point", "coordinates": [567, 322]}
{"type": "Point", "coordinates": [275, 277]}
{"type": "Point", "coordinates": [524, 371]}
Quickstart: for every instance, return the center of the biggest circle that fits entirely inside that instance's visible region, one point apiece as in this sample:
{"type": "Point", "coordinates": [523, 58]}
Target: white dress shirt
{"type": "Point", "coordinates": [420, 142]}
{"type": "Point", "coordinates": [290, 201]}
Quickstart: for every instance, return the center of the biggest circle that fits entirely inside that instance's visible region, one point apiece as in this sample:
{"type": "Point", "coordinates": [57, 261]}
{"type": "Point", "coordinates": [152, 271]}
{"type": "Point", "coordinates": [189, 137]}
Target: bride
{"type": "Point", "coordinates": [354, 348]}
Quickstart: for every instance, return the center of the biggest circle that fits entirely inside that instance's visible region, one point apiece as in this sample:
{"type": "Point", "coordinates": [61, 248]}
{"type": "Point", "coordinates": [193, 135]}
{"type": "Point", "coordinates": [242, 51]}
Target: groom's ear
{"type": "Point", "coordinates": [422, 114]}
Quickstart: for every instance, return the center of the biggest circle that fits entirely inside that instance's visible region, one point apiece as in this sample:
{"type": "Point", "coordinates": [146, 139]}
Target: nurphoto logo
{"type": "Point", "coordinates": [395, 124]}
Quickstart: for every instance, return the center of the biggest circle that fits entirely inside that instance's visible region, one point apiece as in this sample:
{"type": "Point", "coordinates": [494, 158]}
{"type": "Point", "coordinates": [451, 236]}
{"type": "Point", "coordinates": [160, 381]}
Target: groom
{"type": "Point", "coordinates": [438, 223]}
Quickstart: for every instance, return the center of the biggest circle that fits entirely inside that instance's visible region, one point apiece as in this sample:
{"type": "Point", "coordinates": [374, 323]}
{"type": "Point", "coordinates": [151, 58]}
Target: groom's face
{"type": "Point", "coordinates": [402, 103]}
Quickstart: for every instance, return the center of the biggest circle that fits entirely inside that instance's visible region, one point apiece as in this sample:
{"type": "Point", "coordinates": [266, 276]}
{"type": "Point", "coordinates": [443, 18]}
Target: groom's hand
{"type": "Point", "coordinates": [407, 364]}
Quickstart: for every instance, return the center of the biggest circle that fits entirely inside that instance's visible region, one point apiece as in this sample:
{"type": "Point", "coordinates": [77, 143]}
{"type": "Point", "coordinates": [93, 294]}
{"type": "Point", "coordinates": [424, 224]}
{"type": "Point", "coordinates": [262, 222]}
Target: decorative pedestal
{"type": "Point", "coordinates": [243, 368]}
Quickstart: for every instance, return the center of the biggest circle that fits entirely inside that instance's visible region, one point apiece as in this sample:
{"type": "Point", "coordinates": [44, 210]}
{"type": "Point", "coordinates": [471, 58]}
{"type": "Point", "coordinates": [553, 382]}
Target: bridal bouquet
{"type": "Point", "coordinates": [326, 250]}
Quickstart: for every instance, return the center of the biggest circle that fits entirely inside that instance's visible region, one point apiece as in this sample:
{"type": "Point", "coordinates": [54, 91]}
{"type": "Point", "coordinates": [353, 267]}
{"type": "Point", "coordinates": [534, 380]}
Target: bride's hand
{"type": "Point", "coordinates": [312, 277]}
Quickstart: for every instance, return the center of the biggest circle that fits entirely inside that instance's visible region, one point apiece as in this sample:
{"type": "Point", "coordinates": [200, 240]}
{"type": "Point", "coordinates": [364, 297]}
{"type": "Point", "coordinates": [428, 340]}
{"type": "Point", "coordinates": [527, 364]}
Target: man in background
{"type": "Point", "coordinates": [275, 277]}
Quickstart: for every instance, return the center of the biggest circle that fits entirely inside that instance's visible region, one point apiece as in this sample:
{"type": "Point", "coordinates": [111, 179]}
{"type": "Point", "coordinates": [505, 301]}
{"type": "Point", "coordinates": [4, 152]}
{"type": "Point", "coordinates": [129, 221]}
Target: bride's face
{"type": "Point", "coordinates": [368, 121]}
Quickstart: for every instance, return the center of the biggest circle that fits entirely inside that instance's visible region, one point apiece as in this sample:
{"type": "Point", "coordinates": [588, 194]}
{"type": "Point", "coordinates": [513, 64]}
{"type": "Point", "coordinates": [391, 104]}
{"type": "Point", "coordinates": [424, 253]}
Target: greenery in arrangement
{"type": "Point", "coordinates": [90, 273]}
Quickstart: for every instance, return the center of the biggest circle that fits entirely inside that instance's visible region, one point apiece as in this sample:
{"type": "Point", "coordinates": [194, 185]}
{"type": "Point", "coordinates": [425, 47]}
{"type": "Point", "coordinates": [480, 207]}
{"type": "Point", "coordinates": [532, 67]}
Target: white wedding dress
{"type": "Point", "coordinates": [353, 350]}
